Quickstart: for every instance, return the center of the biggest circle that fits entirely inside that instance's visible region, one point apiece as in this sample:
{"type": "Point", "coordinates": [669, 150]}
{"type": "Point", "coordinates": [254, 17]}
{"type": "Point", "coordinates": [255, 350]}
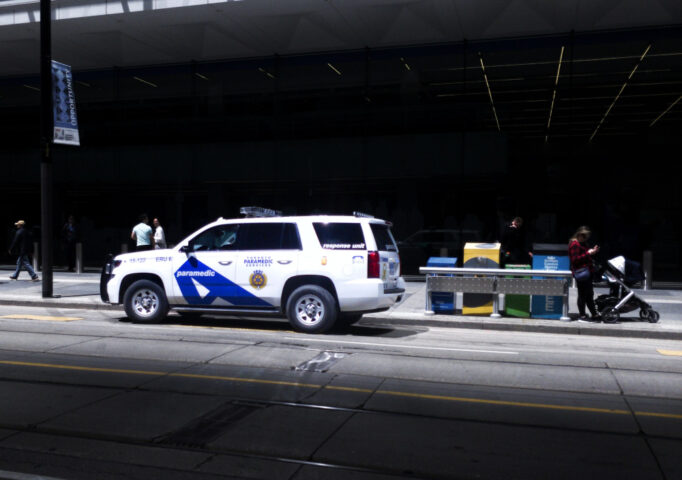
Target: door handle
{"type": "Point", "coordinates": [225, 263]}
{"type": "Point", "coordinates": [284, 262]}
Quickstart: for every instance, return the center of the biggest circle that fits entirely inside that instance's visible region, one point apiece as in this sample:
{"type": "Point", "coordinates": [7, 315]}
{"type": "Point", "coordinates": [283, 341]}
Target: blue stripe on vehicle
{"type": "Point", "coordinates": [217, 285]}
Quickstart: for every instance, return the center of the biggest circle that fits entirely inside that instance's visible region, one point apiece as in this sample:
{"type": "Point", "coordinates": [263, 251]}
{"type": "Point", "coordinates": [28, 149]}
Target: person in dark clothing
{"type": "Point", "coordinates": [514, 245]}
{"type": "Point", "coordinates": [580, 256]}
{"type": "Point", "coordinates": [21, 247]}
{"type": "Point", "coordinates": [69, 238]}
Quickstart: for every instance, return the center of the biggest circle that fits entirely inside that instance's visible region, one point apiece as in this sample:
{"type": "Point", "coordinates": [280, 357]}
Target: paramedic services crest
{"type": "Point", "coordinates": [258, 279]}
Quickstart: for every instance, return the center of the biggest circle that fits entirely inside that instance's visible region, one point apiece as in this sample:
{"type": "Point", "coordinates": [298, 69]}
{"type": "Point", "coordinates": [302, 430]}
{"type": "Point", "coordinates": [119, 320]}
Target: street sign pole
{"type": "Point", "coordinates": [46, 134]}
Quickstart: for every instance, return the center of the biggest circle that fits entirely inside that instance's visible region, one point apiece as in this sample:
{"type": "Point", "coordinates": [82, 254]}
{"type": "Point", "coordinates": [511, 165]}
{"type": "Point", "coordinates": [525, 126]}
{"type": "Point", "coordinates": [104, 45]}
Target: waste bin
{"type": "Point", "coordinates": [479, 255]}
{"type": "Point", "coordinates": [549, 256]}
{"type": "Point", "coordinates": [442, 302]}
{"type": "Point", "coordinates": [517, 305]}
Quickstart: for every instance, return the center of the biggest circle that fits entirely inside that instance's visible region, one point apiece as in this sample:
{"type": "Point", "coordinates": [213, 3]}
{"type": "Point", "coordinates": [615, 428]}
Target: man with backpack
{"type": "Point", "coordinates": [21, 246]}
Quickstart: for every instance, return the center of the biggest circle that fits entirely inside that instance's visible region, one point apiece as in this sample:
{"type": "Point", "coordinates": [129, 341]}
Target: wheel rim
{"type": "Point", "coordinates": [145, 302]}
{"type": "Point", "coordinates": [310, 310]}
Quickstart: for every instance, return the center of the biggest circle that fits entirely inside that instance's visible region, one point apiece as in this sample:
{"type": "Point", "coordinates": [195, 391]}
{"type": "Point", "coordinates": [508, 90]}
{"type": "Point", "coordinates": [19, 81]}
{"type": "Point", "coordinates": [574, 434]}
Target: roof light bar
{"type": "Point", "coordinates": [620, 92]}
{"type": "Point", "coordinates": [665, 111]}
{"type": "Point", "coordinates": [490, 93]}
{"type": "Point", "coordinates": [259, 212]}
{"type": "Point", "coordinates": [362, 215]}
{"type": "Point", "coordinates": [556, 83]}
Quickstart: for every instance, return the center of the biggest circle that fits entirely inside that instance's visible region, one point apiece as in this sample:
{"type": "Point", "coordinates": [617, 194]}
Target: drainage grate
{"type": "Point", "coordinates": [206, 428]}
{"type": "Point", "coordinates": [320, 363]}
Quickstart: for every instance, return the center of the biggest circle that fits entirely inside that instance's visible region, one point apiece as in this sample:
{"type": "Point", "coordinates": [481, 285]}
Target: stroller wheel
{"type": "Point", "coordinates": [652, 316]}
{"type": "Point", "coordinates": [644, 314]}
{"type": "Point", "coordinates": [610, 316]}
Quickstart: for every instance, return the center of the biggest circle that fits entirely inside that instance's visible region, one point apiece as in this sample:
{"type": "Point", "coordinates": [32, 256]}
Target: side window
{"type": "Point", "coordinates": [383, 237]}
{"type": "Point", "coordinates": [222, 237]}
{"type": "Point", "coordinates": [269, 236]}
{"type": "Point", "coordinates": [340, 236]}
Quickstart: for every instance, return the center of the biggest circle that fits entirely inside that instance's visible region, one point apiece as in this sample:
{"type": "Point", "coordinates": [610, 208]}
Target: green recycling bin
{"type": "Point", "coordinates": [517, 305]}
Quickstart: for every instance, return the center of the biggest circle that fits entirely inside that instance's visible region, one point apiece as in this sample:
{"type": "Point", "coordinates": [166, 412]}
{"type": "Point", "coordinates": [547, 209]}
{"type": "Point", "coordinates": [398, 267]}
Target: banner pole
{"type": "Point", "coordinates": [46, 133]}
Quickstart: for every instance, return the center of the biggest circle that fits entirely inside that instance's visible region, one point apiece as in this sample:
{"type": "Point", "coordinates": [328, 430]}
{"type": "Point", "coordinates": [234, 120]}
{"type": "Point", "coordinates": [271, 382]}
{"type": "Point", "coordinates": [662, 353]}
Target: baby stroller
{"type": "Point", "coordinates": [622, 275]}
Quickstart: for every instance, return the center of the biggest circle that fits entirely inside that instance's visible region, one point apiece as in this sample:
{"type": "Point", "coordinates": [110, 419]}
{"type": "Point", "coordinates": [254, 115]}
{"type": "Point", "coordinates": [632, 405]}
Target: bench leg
{"type": "Point", "coordinates": [496, 306]}
{"type": "Point", "coordinates": [428, 309]}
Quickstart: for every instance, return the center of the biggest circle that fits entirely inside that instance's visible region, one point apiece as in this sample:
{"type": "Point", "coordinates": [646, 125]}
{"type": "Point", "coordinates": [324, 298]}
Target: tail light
{"type": "Point", "coordinates": [373, 265]}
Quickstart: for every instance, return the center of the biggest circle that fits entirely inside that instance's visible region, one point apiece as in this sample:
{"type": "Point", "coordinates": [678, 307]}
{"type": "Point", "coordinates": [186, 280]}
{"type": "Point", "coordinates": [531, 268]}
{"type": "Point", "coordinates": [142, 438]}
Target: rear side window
{"type": "Point", "coordinates": [269, 236]}
{"type": "Point", "coordinates": [340, 236]}
{"type": "Point", "coordinates": [383, 237]}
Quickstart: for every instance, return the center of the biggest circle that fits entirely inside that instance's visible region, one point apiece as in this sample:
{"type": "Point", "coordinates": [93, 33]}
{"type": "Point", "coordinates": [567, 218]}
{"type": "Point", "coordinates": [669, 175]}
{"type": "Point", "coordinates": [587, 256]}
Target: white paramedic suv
{"type": "Point", "coordinates": [316, 270]}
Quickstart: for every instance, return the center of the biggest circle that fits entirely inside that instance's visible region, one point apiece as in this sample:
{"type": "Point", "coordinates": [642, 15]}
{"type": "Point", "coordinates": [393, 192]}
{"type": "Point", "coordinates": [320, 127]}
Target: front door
{"type": "Point", "coordinates": [204, 276]}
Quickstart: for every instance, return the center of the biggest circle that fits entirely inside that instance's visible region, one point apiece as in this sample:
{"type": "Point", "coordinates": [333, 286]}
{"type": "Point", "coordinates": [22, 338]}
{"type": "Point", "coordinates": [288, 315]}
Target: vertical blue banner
{"type": "Point", "coordinates": [64, 106]}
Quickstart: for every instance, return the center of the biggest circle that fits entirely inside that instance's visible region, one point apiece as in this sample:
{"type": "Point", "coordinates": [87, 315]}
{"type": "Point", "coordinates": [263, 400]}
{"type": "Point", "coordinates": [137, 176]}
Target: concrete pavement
{"type": "Point", "coordinates": [73, 290]}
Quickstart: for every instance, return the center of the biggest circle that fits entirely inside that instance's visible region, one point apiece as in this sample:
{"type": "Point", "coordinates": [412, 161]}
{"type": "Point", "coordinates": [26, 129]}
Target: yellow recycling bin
{"type": "Point", "coordinates": [479, 255]}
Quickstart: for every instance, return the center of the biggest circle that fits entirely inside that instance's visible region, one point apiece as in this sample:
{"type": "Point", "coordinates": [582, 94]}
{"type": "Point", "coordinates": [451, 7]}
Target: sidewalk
{"type": "Point", "coordinates": [72, 290]}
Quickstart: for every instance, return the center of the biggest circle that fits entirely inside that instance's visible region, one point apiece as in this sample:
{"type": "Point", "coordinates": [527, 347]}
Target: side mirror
{"type": "Point", "coordinates": [185, 249]}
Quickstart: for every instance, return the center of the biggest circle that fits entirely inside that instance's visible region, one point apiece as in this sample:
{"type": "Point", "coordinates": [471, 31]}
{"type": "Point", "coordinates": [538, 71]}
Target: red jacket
{"type": "Point", "coordinates": [577, 252]}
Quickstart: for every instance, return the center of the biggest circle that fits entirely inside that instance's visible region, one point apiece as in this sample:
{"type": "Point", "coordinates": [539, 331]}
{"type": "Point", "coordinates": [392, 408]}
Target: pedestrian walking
{"type": "Point", "coordinates": [69, 239]}
{"type": "Point", "coordinates": [21, 247]}
{"type": "Point", "coordinates": [142, 234]}
{"type": "Point", "coordinates": [582, 267]}
{"type": "Point", "coordinates": [159, 235]}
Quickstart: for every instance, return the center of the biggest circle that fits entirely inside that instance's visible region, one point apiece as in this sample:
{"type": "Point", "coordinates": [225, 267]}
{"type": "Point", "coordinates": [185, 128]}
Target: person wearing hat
{"type": "Point", "coordinates": [21, 247]}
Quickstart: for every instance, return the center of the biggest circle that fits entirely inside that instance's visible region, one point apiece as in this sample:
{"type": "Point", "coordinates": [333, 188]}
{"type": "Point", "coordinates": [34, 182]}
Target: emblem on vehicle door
{"type": "Point", "coordinates": [258, 279]}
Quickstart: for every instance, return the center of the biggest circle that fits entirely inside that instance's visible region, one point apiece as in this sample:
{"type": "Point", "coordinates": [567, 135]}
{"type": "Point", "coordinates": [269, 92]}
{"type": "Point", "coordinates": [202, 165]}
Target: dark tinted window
{"type": "Point", "coordinates": [383, 237]}
{"type": "Point", "coordinates": [269, 236]}
{"type": "Point", "coordinates": [223, 237]}
{"type": "Point", "coordinates": [340, 236]}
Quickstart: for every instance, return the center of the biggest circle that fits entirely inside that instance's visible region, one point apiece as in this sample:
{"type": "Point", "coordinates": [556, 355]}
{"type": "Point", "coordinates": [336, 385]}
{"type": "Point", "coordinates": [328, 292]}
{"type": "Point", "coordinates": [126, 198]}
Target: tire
{"type": "Point", "coordinates": [145, 302]}
{"type": "Point", "coordinates": [312, 309]}
{"type": "Point", "coordinates": [652, 316]}
{"type": "Point", "coordinates": [610, 315]}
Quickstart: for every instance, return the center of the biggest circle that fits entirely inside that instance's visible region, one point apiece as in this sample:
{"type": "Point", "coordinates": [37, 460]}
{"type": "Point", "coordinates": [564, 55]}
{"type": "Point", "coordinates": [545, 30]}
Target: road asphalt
{"type": "Point", "coordinates": [72, 290]}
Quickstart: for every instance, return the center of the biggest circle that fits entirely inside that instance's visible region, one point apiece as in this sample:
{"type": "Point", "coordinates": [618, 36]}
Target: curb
{"type": "Point", "coordinates": [481, 323]}
{"type": "Point", "coordinates": [568, 328]}
{"type": "Point", "coordinates": [58, 304]}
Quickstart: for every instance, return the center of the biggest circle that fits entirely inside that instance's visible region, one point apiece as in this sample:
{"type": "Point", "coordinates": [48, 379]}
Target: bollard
{"type": "Point", "coordinates": [36, 260]}
{"type": "Point", "coordinates": [79, 258]}
{"type": "Point", "coordinates": [124, 247]}
{"type": "Point", "coordinates": [648, 266]}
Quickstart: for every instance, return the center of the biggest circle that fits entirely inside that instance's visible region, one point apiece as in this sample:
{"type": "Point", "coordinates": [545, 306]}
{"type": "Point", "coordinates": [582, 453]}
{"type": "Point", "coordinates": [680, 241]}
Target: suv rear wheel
{"type": "Point", "coordinates": [311, 309]}
{"type": "Point", "coordinates": [145, 302]}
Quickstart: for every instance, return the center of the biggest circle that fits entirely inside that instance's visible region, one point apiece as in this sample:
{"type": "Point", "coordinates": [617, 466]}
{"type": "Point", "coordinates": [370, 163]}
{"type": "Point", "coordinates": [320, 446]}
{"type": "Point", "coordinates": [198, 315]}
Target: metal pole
{"type": "Point", "coordinates": [79, 258]}
{"type": "Point", "coordinates": [648, 264]}
{"type": "Point", "coordinates": [46, 133]}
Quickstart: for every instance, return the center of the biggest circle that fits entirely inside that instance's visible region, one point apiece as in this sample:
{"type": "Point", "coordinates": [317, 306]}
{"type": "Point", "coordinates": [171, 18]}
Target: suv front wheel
{"type": "Point", "coordinates": [311, 309]}
{"type": "Point", "coordinates": [145, 302]}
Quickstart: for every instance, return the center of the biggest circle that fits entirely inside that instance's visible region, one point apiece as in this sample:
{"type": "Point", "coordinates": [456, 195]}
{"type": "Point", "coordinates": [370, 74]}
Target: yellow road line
{"type": "Point", "coordinates": [672, 353]}
{"type": "Point", "coordinates": [260, 381]}
{"type": "Point", "coordinates": [41, 317]}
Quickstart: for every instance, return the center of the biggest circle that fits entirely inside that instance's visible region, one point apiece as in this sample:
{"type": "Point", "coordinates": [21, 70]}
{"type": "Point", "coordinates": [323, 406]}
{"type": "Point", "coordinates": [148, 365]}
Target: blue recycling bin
{"type": "Point", "coordinates": [442, 302]}
{"type": "Point", "coordinates": [549, 256]}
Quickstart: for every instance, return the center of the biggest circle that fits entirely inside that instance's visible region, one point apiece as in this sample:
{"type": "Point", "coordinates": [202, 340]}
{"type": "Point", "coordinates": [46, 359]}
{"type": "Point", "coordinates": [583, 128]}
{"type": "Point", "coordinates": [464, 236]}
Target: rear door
{"type": "Point", "coordinates": [388, 255]}
{"type": "Point", "coordinates": [268, 256]}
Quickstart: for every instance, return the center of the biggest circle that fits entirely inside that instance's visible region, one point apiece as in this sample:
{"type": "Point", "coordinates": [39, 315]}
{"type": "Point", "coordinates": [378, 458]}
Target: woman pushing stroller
{"type": "Point", "coordinates": [583, 268]}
